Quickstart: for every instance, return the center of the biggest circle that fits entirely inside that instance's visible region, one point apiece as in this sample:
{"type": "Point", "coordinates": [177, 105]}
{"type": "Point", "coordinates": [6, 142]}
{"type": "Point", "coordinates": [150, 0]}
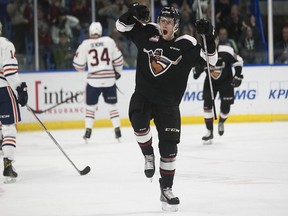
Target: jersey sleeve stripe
{"type": "Point", "coordinates": [213, 58]}
{"type": "Point", "coordinates": [118, 63]}
{"type": "Point", "coordinates": [122, 27]}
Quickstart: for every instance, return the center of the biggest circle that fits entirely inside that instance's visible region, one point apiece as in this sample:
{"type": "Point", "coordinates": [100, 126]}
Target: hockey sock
{"type": "Point", "coordinates": [144, 139]}
{"type": "Point", "coordinates": [167, 171]}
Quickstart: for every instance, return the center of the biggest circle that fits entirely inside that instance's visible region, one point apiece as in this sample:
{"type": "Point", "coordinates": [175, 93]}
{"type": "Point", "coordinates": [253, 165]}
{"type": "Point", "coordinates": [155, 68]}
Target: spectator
{"type": "Point", "coordinates": [234, 23]}
{"type": "Point", "coordinates": [127, 48]}
{"type": "Point", "coordinates": [80, 10]}
{"type": "Point", "coordinates": [250, 44]}
{"type": "Point", "coordinates": [63, 53]}
{"type": "Point", "coordinates": [281, 47]}
{"type": "Point", "coordinates": [222, 11]}
{"type": "Point", "coordinates": [112, 13]}
{"type": "Point", "coordinates": [54, 10]}
{"type": "Point", "coordinates": [247, 46]}
{"type": "Point", "coordinates": [204, 7]}
{"type": "Point", "coordinates": [64, 24]}
{"type": "Point", "coordinates": [19, 24]}
{"type": "Point", "coordinates": [45, 41]}
{"type": "Point", "coordinates": [224, 40]}
{"type": "Point", "coordinates": [186, 26]}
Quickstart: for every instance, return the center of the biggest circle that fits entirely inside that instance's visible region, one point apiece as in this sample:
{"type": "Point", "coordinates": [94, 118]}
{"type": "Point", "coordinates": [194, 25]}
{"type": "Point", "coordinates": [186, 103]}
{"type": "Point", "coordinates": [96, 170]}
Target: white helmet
{"type": "Point", "coordinates": [95, 28]}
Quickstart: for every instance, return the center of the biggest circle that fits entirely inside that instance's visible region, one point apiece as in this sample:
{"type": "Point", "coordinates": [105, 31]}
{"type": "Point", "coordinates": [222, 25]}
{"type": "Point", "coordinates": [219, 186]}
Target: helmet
{"type": "Point", "coordinates": [95, 28]}
{"type": "Point", "coordinates": [170, 12]}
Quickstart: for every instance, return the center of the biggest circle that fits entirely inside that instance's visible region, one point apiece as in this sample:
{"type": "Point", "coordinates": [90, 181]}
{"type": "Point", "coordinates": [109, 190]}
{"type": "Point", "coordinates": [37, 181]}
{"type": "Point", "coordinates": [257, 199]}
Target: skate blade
{"type": "Point", "coordinates": [9, 180]}
{"type": "Point", "coordinates": [150, 179]}
{"type": "Point", "coordinates": [208, 142]}
{"type": "Point", "coordinates": [86, 141]}
{"type": "Point", "coordinates": [169, 208]}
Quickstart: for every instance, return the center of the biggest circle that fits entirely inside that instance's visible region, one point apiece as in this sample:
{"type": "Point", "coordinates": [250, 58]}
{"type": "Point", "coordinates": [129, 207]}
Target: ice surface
{"type": "Point", "coordinates": [244, 173]}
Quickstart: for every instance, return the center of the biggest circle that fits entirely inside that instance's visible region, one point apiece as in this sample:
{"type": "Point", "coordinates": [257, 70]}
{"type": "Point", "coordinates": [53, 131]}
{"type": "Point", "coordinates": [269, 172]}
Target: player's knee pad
{"type": "Point", "coordinates": [9, 130]}
{"type": "Point", "coordinates": [140, 121]}
{"type": "Point", "coordinates": [91, 108]}
{"type": "Point", "coordinates": [207, 104]}
{"type": "Point", "coordinates": [168, 149]}
{"type": "Point", "coordinates": [225, 108]}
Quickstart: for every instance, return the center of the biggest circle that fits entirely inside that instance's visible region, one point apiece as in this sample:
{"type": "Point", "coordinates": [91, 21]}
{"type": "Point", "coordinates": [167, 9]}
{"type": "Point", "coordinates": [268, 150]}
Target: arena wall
{"type": "Point", "coordinates": [263, 96]}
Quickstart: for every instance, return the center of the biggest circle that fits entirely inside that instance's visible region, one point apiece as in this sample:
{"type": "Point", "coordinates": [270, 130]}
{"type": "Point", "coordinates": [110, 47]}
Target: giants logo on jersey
{"type": "Point", "coordinates": [217, 70]}
{"type": "Point", "coordinates": [158, 63]}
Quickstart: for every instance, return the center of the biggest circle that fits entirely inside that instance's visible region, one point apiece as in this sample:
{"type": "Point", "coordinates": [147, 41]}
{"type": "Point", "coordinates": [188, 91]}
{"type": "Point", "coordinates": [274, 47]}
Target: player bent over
{"type": "Point", "coordinates": [164, 62]}
{"type": "Point", "coordinates": [10, 86]}
{"type": "Point", "coordinates": [105, 62]}
{"type": "Point", "coordinates": [223, 82]}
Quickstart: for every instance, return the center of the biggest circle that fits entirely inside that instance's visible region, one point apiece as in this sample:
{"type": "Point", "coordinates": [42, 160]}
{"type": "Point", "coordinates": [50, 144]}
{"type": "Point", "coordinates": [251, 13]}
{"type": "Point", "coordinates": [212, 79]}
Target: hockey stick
{"type": "Point", "coordinates": [208, 67]}
{"type": "Point", "coordinates": [85, 171]}
{"type": "Point", "coordinates": [56, 105]}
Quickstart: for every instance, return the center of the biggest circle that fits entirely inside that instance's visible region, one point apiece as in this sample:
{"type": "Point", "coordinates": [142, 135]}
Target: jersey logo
{"type": "Point", "coordinates": [216, 71]}
{"type": "Point", "coordinates": [154, 38]}
{"type": "Point", "coordinates": [158, 63]}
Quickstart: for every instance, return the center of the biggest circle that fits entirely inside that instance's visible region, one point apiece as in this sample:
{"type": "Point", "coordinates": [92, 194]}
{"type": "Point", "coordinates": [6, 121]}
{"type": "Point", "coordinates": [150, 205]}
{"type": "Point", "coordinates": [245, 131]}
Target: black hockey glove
{"type": "Point", "coordinates": [237, 80]}
{"type": "Point", "coordinates": [204, 27]}
{"type": "Point", "coordinates": [117, 75]}
{"type": "Point", "coordinates": [141, 12]}
{"type": "Point", "coordinates": [197, 71]}
{"type": "Point", "coordinates": [22, 94]}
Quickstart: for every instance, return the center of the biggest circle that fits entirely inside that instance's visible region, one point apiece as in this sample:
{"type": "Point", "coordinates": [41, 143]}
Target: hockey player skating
{"type": "Point", "coordinates": [163, 65]}
{"type": "Point", "coordinates": [10, 86]}
{"type": "Point", "coordinates": [224, 82]}
{"type": "Point", "coordinates": [105, 62]}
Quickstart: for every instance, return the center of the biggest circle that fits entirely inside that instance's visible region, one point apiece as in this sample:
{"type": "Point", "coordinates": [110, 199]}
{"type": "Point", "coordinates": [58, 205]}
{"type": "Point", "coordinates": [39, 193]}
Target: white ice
{"type": "Point", "coordinates": [244, 173]}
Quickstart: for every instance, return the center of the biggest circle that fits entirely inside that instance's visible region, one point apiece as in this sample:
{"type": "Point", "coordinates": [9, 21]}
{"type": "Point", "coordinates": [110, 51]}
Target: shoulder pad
{"type": "Point", "coordinates": [187, 37]}
{"type": "Point", "coordinates": [225, 48]}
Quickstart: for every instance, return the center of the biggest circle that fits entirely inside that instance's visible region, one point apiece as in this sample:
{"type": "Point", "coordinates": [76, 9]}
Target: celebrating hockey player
{"type": "Point", "coordinates": [10, 86]}
{"type": "Point", "coordinates": [164, 62]}
{"type": "Point", "coordinates": [105, 62]}
{"type": "Point", "coordinates": [223, 82]}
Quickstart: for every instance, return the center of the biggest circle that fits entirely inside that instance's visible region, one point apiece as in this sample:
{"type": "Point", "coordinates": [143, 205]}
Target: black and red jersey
{"type": "Point", "coordinates": [163, 66]}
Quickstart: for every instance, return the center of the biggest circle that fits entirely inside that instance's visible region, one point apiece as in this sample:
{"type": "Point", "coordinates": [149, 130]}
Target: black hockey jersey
{"type": "Point", "coordinates": [222, 73]}
{"type": "Point", "coordinates": [163, 66]}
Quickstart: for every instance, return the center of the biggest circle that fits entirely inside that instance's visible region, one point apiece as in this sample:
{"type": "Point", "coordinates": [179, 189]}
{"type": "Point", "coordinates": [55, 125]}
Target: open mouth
{"type": "Point", "coordinates": [165, 32]}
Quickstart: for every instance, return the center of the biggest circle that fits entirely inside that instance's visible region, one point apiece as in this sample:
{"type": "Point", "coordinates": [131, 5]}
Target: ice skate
{"type": "Point", "coordinates": [168, 200]}
{"type": "Point", "coordinates": [149, 169]}
{"type": "Point", "coordinates": [9, 172]}
{"type": "Point", "coordinates": [87, 135]}
{"type": "Point", "coordinates": [221, 128]}
{"type": "Point", "coordinates": [117, 133]}
{"type": "Point", "coordinates": [208, 138]}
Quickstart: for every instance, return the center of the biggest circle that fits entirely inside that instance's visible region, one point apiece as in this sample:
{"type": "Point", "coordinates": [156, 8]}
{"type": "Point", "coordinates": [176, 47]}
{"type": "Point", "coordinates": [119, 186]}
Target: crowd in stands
{"type": "Point", "coordinates": [63, 24]}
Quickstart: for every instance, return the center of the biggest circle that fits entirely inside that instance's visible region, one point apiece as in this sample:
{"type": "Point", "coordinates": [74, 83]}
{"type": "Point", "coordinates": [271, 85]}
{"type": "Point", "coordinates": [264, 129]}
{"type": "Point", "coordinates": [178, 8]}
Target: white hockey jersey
{"type": "Point", "coordinates": [8, 65]}
{"type": "Point", "coordinates": [102, 58]}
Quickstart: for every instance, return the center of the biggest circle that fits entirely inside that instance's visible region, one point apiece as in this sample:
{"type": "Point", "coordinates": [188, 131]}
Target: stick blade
{"type": "Point", "coordinates": [85, 171]}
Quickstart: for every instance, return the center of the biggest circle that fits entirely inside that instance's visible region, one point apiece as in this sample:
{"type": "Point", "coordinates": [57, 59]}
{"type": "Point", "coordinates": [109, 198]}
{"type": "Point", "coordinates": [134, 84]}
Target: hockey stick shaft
{"type": "Point", "coordinates": [56, 105]}
{"type": "Point", "coordinates": [81, 172]}
{"type": "Point", "coordinates": [208, 65]}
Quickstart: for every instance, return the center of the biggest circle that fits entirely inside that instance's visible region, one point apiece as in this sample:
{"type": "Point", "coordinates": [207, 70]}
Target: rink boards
{"type": "Point", "coordinates": [263, 96]}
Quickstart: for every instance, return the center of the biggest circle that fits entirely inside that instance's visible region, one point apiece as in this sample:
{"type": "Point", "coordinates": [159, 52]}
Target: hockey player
{"type": "Point", "coordinates": [223, 82]}
{"type": "Point", "coordinates": [105, 62]}
{"type": "Point", "coordinates": [10, 86]}
{"type": "Point", "coordinates": [164, 62]}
